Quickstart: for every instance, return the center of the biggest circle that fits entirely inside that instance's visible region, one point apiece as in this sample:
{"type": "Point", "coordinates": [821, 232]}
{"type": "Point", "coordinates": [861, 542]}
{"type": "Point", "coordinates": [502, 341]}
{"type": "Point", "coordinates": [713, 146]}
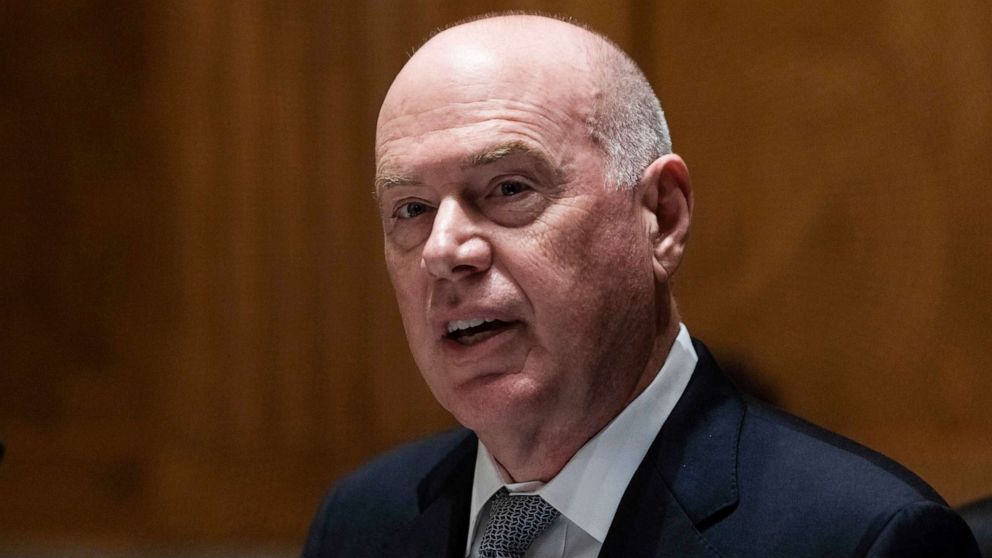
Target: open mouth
{"type": "Point", "coordinates": [470, 332]}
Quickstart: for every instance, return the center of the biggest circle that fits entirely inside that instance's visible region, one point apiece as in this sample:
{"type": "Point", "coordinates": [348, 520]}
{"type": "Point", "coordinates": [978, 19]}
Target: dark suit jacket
{"type": "Point", "coordinates": [726, 476]}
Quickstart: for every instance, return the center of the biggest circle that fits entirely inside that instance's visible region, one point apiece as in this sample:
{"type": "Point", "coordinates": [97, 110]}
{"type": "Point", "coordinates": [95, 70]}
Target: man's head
{"type": "Point", "coordinates": [533, 215]}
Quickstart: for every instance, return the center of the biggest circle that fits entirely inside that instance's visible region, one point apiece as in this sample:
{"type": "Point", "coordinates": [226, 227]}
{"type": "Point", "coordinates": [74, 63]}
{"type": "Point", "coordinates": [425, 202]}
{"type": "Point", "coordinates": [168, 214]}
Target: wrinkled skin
{"type": "Point", "coordinates": [495, 205]}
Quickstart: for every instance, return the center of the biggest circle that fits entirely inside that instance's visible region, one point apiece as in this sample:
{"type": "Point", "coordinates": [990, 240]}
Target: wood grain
{"type": "Point", "coordinates": [198, 334]}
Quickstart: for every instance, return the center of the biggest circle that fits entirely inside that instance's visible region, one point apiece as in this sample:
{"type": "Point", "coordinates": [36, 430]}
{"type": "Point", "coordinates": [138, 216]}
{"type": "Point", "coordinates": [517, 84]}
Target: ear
{"type": "Point", "coordinates": [666, 196]}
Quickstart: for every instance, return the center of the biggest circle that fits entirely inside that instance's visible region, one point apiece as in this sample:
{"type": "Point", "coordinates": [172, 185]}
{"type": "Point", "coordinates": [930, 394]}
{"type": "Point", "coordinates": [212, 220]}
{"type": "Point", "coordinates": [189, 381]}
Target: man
{"type": "Point", "coordinates": [534, 215]}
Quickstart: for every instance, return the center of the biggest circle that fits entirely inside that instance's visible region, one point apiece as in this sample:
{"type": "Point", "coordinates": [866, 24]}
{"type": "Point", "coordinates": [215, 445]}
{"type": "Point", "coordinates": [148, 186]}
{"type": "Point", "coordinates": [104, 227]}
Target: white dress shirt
{"type": "Point", "coordinates": [587, 491]}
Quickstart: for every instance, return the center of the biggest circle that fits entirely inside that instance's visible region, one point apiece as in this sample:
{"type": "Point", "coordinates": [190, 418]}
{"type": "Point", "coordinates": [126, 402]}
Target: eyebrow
{"type": "Point", "coordinates": [386, 179]}
{"type": "Point", "coordinates": [495, 153]}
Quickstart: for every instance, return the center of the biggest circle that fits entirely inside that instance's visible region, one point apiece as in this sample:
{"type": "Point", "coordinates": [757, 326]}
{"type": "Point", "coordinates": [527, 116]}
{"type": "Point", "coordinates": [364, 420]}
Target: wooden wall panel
{"type": "Point", "coordinates": [840, 158]}
{"type": "Point", "coordinates": [87, 274]}
{"type": "Point", "coordinates": [199, 334]}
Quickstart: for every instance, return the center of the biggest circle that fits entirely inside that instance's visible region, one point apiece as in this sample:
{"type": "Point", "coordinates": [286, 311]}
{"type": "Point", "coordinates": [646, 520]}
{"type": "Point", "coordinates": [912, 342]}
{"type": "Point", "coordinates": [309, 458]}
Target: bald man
{"type": "Point", "coordinates": [533, 215]}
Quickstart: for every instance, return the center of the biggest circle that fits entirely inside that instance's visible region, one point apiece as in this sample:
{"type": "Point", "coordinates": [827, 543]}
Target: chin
{"type": "Point", "coordinates": [499, 403]}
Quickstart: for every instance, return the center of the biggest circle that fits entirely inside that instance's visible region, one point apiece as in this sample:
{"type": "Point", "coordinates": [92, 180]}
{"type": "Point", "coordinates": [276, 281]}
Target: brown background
{"type": "Point", "coordinates": [196, 332]}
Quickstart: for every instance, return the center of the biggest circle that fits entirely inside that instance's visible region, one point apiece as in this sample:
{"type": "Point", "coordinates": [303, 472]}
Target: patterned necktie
{"type": "Point", "coordinates": [514, 523]}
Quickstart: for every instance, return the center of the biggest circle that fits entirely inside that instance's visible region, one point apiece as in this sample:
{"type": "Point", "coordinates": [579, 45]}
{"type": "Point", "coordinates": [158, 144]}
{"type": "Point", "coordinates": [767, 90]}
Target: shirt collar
{"type": "Point", "coordinates": [588, 489]}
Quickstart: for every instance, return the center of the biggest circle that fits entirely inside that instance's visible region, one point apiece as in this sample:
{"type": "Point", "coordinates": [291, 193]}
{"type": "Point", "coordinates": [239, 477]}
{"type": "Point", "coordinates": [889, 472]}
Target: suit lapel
{"type": "Point", "coordinates": [688, 480]}
{"type": "Point", "coordinates": [650, 523]}
{"type": "Point", "coordinates": [444, 496]}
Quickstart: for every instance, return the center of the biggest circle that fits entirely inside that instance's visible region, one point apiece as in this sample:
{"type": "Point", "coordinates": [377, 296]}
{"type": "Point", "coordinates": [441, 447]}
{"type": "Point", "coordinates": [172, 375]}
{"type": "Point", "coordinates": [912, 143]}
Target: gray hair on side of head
{"type": "Point", "coordinates": [628, 123]}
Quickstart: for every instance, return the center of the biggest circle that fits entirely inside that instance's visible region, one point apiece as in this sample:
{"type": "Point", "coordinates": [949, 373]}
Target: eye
{"type": "Point", "coordinates": [410, 210]}
{"type": "Point", "coordinates": [511, 187]}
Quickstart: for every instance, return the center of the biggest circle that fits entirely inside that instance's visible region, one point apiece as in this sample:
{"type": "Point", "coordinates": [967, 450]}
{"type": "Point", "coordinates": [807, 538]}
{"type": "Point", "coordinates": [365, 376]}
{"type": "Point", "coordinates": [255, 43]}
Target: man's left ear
{"type": "Point", "coordinates": [666, 195]}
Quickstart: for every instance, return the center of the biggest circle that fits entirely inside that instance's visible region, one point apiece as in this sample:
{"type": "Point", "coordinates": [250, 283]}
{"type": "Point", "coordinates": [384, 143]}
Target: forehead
{"type": "Point", "coordinates": [459, 88]}
{"type": "Point", "coordinates": [464, 133]}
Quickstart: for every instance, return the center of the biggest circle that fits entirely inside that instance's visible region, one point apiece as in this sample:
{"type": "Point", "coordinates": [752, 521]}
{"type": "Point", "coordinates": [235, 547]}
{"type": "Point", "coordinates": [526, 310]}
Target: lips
{"type": "Point", "coordinates": [475, 330]}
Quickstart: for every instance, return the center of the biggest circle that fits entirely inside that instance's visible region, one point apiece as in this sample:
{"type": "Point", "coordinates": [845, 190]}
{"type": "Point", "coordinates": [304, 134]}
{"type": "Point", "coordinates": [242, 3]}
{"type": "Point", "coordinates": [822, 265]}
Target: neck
{"type": "Point", "coordinates": [540, 453]}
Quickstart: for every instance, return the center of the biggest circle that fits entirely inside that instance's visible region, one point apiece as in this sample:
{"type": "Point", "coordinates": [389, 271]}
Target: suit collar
{"type": "Point", "coordinates": [440, 529]}
{"type": "Point", "coordinates": [688, 480]}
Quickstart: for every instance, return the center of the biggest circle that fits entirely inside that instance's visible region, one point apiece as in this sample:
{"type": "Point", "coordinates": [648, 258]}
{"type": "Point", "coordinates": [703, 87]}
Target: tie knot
{"type": "Point", "coordinates": [514, 522]}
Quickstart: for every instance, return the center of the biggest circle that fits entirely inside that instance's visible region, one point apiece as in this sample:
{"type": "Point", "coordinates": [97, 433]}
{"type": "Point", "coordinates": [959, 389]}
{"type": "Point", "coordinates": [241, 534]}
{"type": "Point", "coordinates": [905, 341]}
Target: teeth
{"type": "Point", "coordinates": [457, 325]}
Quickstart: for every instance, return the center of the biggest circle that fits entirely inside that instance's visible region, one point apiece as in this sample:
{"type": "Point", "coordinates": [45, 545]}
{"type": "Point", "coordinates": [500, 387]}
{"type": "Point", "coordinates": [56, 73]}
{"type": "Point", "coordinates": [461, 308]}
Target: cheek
{"type": "Point", "coordinates": [402, 265]}
{"type": "Point", "coordinates": [590, 278]}
{"type": "Point", "coordinates": [562, 235]}
{"type": "Point", "coordinates": [587, 249]}
{"type": "Point", "coordinates": [408, 292]}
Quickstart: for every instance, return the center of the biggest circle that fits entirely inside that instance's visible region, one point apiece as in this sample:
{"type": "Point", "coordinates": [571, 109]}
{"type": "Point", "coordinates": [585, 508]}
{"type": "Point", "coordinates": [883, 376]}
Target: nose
{"type": "Point", "coordinates": [455, 247]}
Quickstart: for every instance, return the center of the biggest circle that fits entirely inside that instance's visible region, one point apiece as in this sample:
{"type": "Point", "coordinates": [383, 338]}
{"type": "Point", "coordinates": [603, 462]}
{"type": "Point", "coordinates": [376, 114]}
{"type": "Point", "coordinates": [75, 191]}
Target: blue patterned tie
{"type": "Point", "coordinates": [514, 523]}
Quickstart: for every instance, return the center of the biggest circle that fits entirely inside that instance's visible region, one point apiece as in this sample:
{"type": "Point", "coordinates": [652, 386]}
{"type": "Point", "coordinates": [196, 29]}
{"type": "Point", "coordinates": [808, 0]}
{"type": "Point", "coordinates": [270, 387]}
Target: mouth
{"type": "Point", "coordinates": [475, 330]}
